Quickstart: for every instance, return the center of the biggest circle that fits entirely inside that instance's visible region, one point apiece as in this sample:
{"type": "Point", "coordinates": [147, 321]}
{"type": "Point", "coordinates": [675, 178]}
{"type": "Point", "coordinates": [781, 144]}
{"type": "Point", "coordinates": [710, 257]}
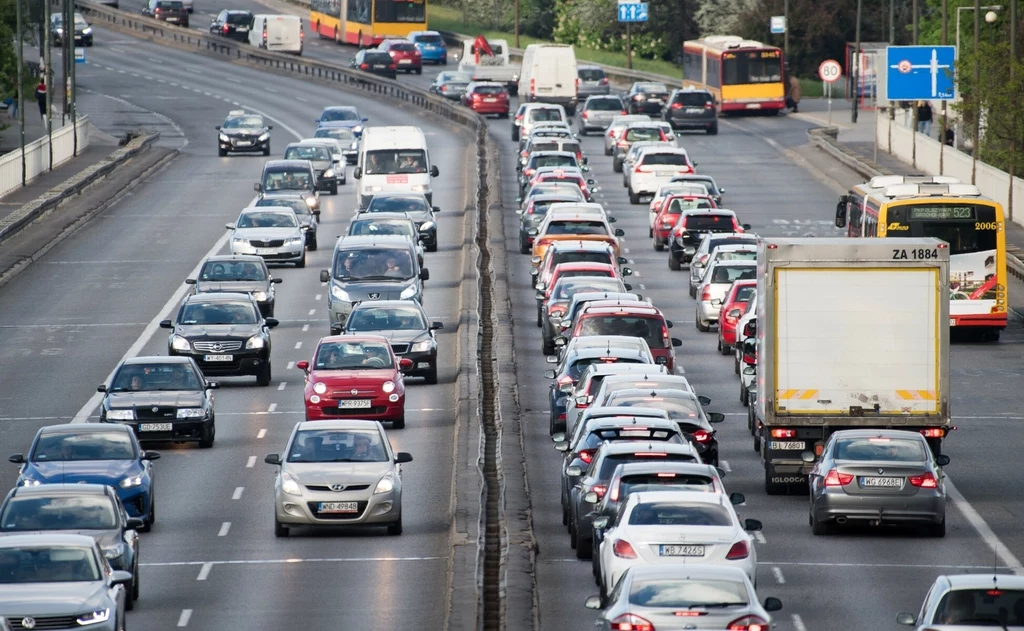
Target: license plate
{"type": "Point", "coordinates": [354, 404]}
{"type": "Point", "coordinates": [338, 507]}
{"type": "Point", "coordinates": [952, 322]}
{"type": "Point", "coordinates": [787, 444]}
{"type": "Point", "coordinates": [694, 110]}
{"type": "Point", "coordinates": [490, 100]}
{"type": "Point", "coordinates": [681, 551]}
{"type": "Point", "coordinates": [379, 66]}
{"type": "Point", "coordinates": [664, 173]}
{"type": "Point", "coordinates": [243, 143]}
{"type": "Point", "coordinates": [154, 427]}
{"type": "Point", "coordinates": [242, 29]}
{"type": "Point", "coordinates": [172, 19]}
{"type": "Point", "coordinates": [218, 358]}
{"type": "Point", "coordinates": [891, 483]}
{"type": "Point", "coordinates": [405, 61]}
{"type": "Point", "coordinates": [266, 251]}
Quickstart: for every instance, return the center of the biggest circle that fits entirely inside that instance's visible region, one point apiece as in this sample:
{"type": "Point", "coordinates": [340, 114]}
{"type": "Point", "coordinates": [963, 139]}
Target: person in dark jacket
{"type": "Point", "coordinates": [924, 118]}
{"type": "Point", "coordinates": [41, 97]}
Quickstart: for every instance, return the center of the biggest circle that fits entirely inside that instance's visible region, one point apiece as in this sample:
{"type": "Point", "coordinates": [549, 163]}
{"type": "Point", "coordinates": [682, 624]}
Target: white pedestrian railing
{"type": "Point", "coordinates": [37, 155]}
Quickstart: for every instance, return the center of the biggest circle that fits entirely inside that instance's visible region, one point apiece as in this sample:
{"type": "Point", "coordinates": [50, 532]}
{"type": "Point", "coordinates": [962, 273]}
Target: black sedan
{"type": "Point", "coordinates": [224, 333]}
{"type": "Point", "coordinates": [89, 509]}
{"type": "Point", "coordinates": [646, 97]}
{"type": "Point", "coordinates": [233, 24]}
{"type": "Point", "coordinates": [377, 62]}
{"type": "Point", "coordinates": [416, 207]}
{"type": "Point", "coordinates": [162, 399]}
{"type": "Point", "coordinates": [405, 325]}
{"type": "Point", "coordinates": [238, 273]}
{"type": "Point", "coordinates": [243, 133]}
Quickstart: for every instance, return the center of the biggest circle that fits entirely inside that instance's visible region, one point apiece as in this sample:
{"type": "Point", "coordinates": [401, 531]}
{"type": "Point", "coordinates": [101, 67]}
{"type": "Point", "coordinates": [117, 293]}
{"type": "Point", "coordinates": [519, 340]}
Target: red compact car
{"type": "Point", "coordinates": [487, 97]}
{"type": "Point", "coordinates": [635, 320]}
{"type": "Point", "coordinates": [563, 175]}
{"type": "Point", "coordinates": [355, 376]}
{"type": "Point", "coordinates": [404, 53]}
{"type": "Point", "coordinates": [668, 215]}
{"type": "Point", "coordinates": [733, 308]}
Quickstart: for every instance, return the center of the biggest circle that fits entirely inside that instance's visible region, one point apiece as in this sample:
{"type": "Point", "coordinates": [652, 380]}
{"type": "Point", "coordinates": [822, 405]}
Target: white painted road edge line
{"type": "Point", "coordinates": [186, 615]}
{"type": "Point", "coordinates": [984, 531]}
{"type": "Point", "coordinates": [204, 571]}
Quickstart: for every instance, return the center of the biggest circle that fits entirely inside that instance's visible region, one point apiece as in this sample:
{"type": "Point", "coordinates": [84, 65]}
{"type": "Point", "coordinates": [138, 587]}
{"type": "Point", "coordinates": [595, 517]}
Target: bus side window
{"type": "Point", "coordinates": [856, 216]}
{"type": "Point", "coordinates": [870, 226]}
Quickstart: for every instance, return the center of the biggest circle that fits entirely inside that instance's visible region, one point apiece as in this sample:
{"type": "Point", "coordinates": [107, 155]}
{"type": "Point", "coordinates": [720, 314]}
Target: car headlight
{"type": "Point", "coordinates": [386, 485]}
{"type": "Point", "coordinates": [289, 485]}
{"type": "Point", "coordinates": [358, 129]}
{"type": "Point", "coordinates": [179, 343]}
{"type": "Point", "coordinates": [30, 482]}
{"type": "Point", "coordinates": [329, 173]}
{"type": "Point", "coordinates": [191, 412]}
{"type": "Point", "coordinates": [340, 294]}
{"type": "Point", "coordinates": [388, 386]}
{"type": "Point", "coordinates": [87, 30]}
{"type": "Point", "coordinates": [427, 225]}
{"type": "Point", "coordinates": [408, 292]}
{"type": "Point", "coordinates": [241, 244]}
{"type": "Point", "coordinates": [121, 415]}
{"type": "Point", "coordinates": [60, 31]}
{"type": "Point", "coordinates": [311, 201]}
{"type": "Point", "coordinates": [224, 138]}
{"type": "Point", "coordinates": [260, 296]}
{"type": "Point", "coordinates": [422, 347]}
{"type": "Point", "coordinates": [265, 136]}
{"type": "Point", "coordinates": [319, 387]}
{"type": "Point", "coordinates": [131, 482]}
{"type": "Point", "coordinates": [256, 341]}
{"type": "Point", "coordinates": [94, 617]}
{"type": "Point", "coordinates": [114, 552]}
{"type": "Point", "coordinates": [294, 240]}
{"type": "Point", "coordinates": [420, 188]}
{"type": "Point", "coordinates": [373, 189]}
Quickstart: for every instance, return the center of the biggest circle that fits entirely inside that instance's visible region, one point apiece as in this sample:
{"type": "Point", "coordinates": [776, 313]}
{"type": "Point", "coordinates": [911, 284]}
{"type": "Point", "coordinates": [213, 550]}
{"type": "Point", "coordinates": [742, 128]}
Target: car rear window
{"type": "Point", "coordinates": [577, 368]}
{"type": "Point", "coordinates": [692, 99]}
{"type": "Point", "coordinates": [665, 481]}
{"type": "Point", "coordinates": [738, 255]}
{"type": "Point", "coordinates": [987, 606]}
{"type": "Point", "coordinates": [717, 243]}
{"type": "Point", "coordinates": [680, 204]}
{"type": "Point", "coordinates": [170, 5]}
{"type": "Point", "coordinates": [582, 257]}
{"type": "Point", "coordinates": [710, 223]}
{"type": "Point", "coordinates": [577, 227]}
{"type": "Point", "coordinates": [880, 449]}
{"type": "Point", "coordinates": [408, 47]}
{"type": "Point", "coordinates": [571, 146]}
{"type": "Point", "coordinates": [682, 409]}
{"type": "Point", "coordinates": [570, 289]}
{"type": "Point", "coordinates": [429, 39]}
{"type": "Point", "coordinates": [377, 57]}
{"type": "Point", "coordinates": [545, 115]}
{"type": "Point", "coordinates": [647, 327]}
{"type": "Point", "coordinates": [686, 593]}
{"type": "Point", "coordinates": [605, 105]}
{"type": "Point", "coordinates": [665, 514]}
{"type": "Point", "coordinates": [644, 133]}
{"type": "Point", "coordinates": [544, 146]}
{"type": "Point", "coordinates": [239, 18]}
{"type": "Point", "coordinates": [609, 462]}
{"type": "Point", "coordinates": [729, 274]}
{"type": "Point", "coordinates": [489, 89]}
{"type": "Point", "coordinates": [655, 159]}
{"type": "Point", "coordinates": [590, 74]}
{"type": "Point", "coordinates": [554, 161]}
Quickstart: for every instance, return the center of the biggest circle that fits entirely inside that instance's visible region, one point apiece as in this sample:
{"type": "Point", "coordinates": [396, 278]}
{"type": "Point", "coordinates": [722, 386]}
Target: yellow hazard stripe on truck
{"type": "Point", "coordinates": [916, 395]}
{"type": "Point", "coordinates": [798, 394]}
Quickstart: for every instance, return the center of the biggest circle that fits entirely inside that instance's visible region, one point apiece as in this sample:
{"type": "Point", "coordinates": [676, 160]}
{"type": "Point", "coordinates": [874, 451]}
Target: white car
{"type": "Point", "coordinates": [732, 252]}
{"type": "Point", "coordinates": [635, 150]}
{"type": "Point", "coordinates": [676, 528]}
{"type": "Point", "coordinates": [273, 232]}
{"type": "Point", "coordinates": [969, 602]}
{"type": "Point", "coordinates": [619, 123]}
{"type": "Point", "coordinates": [707, 245]}
{"type": "Point", "coordinates": [715, 597]}
{"type": "Point", "coordinates": [714, 286]}
{"type": "Point", "coordinates": [656, 167]}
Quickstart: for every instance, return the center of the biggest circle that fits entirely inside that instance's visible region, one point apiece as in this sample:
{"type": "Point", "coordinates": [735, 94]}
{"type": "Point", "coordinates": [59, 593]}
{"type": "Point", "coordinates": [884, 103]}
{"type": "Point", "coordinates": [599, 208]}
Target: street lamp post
{"type": "Point", "coordinates": [856, 64]}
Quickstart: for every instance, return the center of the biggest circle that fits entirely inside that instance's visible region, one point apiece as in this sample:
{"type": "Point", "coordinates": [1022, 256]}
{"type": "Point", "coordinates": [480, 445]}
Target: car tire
{"type": "Point", "coordinates": [617, 165]}
{"type": "Point", "coordinates": [540, 320]}
{"type": "Point", "coordinates": [431, 376]}
{"type": "Point", "coordinates": [658, 245]}
{"type": "Point", "coordinates": [726, 348]}
{"type": "Point", "coordinates": [553, 425]}
{"type": "Point", "coordinates": [419, 70]}
{"type": "Point", "coordinates": [573, 538]}
{"type": "Point", "coordinates": [523, 247]}
{"type": "Point", "coordinates": [395, 529]}
{"type": "Point", "coordinates": [607, 151]}
{"type": "Point", "coordinates": [703, 327]}
{"type": "Point", "coordinates": [432, 247]}
{"type": "Point", "coordinates": [650, 233]}
{"type": "Point", "coordinates": [515, 133]}
{"type": "Point", "coordinates": [209, 434]}
{"type": "Point", "coordinates": [129, 602]}
{"type": "Point", "coordinates": [263, 374]}
{"type": "Point", "coordinates": [937, 530]}
{"type": "Point", "coordinates": [673, 263]}
{"type": "Point", "coordinates": [735, 363]}
{"type": "Point", "coordinates": [266, 150]}
{"type": "Point", "coordinates": [135, 579]}
{"type": "Point", "coordinates": [334, 188]}
{"type": "Point", "coordinates": [719, 349]}
{"type": "Point", "coordinates": [744, 398]}
{"type": "Point", "coordinates": [819, 528]}
{"type": "Point", "coordinates": [693, 292]}
{"type": "Point", "coordinates": [222, 152]}
{"type": "Point", "coordinates": [270, 311]}
{"type": "Point", "coordinates": [312, 244]}
{"type": "Point", "coordinates": [547, 346]}
{"type": "Point", "coordinates": [399, 423]}
{"type": "Point", "coordinates": [301, 262]}
{"type": "Point", "coordinates": [280, 530]}
{"type": "Point", "coordinates": [713, 130]}
{"type": "Point", "coordinates": [584, 548]}
{"type": "Point", "coordinates": [634, 198]}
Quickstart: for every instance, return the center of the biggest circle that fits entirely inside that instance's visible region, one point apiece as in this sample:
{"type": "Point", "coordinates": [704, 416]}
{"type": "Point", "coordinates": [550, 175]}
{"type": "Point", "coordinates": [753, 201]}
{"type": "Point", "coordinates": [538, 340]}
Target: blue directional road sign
{"type": "Point", "coordinates": [920, 72]}
{"type": "Point", "coordinates": [632, 11]}
{"type": "Point", "coordinates": [79, 55]}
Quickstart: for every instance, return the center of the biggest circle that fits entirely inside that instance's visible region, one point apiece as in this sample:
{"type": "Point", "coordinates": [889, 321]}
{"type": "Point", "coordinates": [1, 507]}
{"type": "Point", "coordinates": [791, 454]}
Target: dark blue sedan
{"type": "Point", "coordinates": [344, 116]}
{"type": "Point", "coordinates": [93, 454]}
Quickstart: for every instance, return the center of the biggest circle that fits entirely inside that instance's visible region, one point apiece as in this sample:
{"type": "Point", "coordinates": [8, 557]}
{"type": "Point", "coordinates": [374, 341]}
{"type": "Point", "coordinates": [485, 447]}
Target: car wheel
{"type": "Point", "coordinates": [658, 245]}
{"type": "Point", "coordinates": [312, 244]}
{"type": "Point", "coordinates": [937, 530]}
{"type": "Point", "coordinates": [735, 363]}
{"type": "Point", "coordinates": [673, 263]}
{"type": "Point", "coordinates": [719, 349]}
{"type": "Point", "coordinates": [263, 374]}
{"type": "Point", "coordinates": [433, 246]}
{"type": "Point", "coordinates": [702, 326]}
{"type": "Point", "coordinates": [743, 395]}
{"type": "Point", "coordinates": [523, 247]}
{"type": "Point", "coordinates": [584, 548]}
{"type": "Point", "coordinates": [650, 233]}
{"type": "Point", "coordinates": [819, 528]}
{"type": "Point", "coordinates": [419, 71]}
{"type": "Point", "coordinates": [540, 321]}
{"type": "Point", "coordinates": [279, 529]}
{"type": "Point", "coordinates": [270, 311]}
{"type": "Point", "coordinates": [553, 425]}
{"type": "Point", "coordinates": [135, 579]}
{"type": "Point", "coordinates": [222, 152]}
{"type": "Point", "coordinates": [693, 292]}
{"type": "Point", "coordinates": [573, 539]}
{"type": "Point", "coordinates": [431, 376]}
{"type": "Point", "coordinates": [713, 130]}
{"type": "Point", "coordinates": [634, 198]}
{"type": "Point", "coordinates": [617, 165]}
{"type": "Point", "coordinates": [129, 601]}
{"type": "Point", "coordinates": [515, 134]}
{"type": "Point", "coordinates": [209, 433]}
{"type": "Point", "coordinates": [395, 529]}
{"type": "Point", "coordinates": [607, 151]}
{"type": "Point", "coordinates": [334, 188]}
{"type": "Point", "coordinates": [595, 564]}
{"type": "Point", "coordinates": [301, 262]}
{"type": "Point", "coordinates": [266, 150]}
{"type": "Point", "coordinates": [726, 349]}
{"type": "Point", "coordinates": [399, 423]}
{"type": "Point", "coordinates": [547, 346]}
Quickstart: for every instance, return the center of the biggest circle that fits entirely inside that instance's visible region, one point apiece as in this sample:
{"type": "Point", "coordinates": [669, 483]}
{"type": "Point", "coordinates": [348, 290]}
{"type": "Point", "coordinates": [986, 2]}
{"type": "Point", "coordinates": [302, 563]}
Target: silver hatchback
{"type": "Point", "coordinates": [336, 474]}
{"type": "Point", "coordinates": [598, 112]}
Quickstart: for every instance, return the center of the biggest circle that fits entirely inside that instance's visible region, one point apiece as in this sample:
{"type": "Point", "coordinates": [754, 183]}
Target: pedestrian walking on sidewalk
{"type": "Point", "coordinates": [924, 118]}
{"type": "Point", "coordinates": [793, 100]}
{"type": "Point", "coordinates": [41, 97]}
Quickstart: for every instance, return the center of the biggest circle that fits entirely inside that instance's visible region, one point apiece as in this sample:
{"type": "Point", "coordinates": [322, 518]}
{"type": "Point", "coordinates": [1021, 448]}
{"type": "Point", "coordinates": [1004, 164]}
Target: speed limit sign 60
{"type": "Point", "coordinates": [830, 70]}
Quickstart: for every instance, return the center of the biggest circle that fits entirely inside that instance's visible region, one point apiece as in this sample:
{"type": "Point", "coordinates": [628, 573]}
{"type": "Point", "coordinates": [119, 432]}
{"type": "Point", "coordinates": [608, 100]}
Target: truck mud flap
{"type": "Point", "coordinates": [784, 480]}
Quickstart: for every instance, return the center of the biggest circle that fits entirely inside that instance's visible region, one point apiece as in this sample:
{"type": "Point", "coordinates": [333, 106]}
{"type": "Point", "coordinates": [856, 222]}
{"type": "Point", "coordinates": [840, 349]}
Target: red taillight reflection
{"type": "Point", "coordinates": [702, 436]}
{"type": "Point", "coordinates": [587, 455]}
{"type": "Point", "coordinates": [748, 623]}
{"type": "Point", "coordinates": [600, 489]}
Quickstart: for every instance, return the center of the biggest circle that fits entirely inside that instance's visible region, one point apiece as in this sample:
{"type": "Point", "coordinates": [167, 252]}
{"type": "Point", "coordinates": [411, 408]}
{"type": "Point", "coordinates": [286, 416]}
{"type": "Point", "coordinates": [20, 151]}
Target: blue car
{"type": "Point", "coordinates": [342, 116]}
{"type": "Point", "coordinates": [431, 45]}
{"type": "Point", "coordinates": [93, 454]}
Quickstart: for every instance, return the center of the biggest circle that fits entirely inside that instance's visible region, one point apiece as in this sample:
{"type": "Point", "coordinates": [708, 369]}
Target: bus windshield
{"type": "Point", "coordinates": [759, 66]}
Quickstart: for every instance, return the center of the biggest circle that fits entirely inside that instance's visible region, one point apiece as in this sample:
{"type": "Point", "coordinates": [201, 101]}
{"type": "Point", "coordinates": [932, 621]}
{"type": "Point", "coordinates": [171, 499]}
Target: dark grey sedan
{"type": "Point", "coordinates": [407, 328]}
{"type": "Point", "coordinates": [239, 273]}
{"type": "Point", "coordinates": [876, 477]}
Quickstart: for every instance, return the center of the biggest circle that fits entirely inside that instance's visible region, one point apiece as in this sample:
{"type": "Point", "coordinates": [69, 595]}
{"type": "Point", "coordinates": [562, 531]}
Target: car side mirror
{"type": "Point", "coordinates": [807, 457]}
{"type": "Point", "coordinates": [302, 365]}
{"type": "Point", "coordinates": [166, 324]}
{"type": "Point", "coordinates": [841, 212]}
{"type": "Point", "coordinates": [551, 359]}
{"type": "Point", "coordinates": [746, 226]}
{"type": "Point", "coordinates": [403, 457]}
{"type": "Point", "coordinates": [721, 472]}
{"type": "Point", "coordinates": [101, 388]}
{"type": "Point", "coordinates": [436, 326]}
{"type": "Point", "coordinates": [533, 232]}
{"type": "Point", "coordinates": [229, 226]}
{"type": "Point", "coordinates": [271, 322]}
{"type": "Point", "coordinates": [357, 172]}
{"type": "Point", "coordinates": [217, 127]}
{"type": "Point", "coordinates": [562, 445]}
{"type": "Point", "coordinates": [257, 187]}
{"type": "Point", "coordinates": [120, 577]}
{"type": "Point", "coordinates": [772, 604]}
{"type": "Point", "coordinates": [752, 525]}
{"type": "Point", "coordinates": [424, 274]}
{"type": "Point", "coordinates": [574, 471]}
{"type": "Point", "coordinates": [585, 160]}
{"type": "Point", "coordinates": [278, 281]}
{"type": "Point", "coordinates": [434, 171]}
{"type": "Point", "coordinates": [190, 281]}
{"type": "Point", "coordinates": [336, 329]}
{"type": "Point", "coordinates": [905, 619]}
{"type": "Point", "coordinates": [942, 460]}
{"type": "Point", "coordinates": [519, 200]}
{"type": "Point", "coordinates": [593, 602]}
{"type": "Point", "coordinates": [585, 169]}
{"type": "Point", "coordinates": [150, 455]}
{"type": "Point", "coordinates": [134, 523]}
{"type": "Point", "coordinates": [703, 400]}
{"type": "Point", "coordinates": [436, 209]}
{"type": "Point", "coordinates": [16, 458]}
{"type": "Point", "coordinates": [270, 127]}
{"type": "Point", "coordinates": [737, 498]}
{"type": "Point", "coordinates": [601, 522]}
{"type": "Point", "coordinates": [325, 276]}
{"type": "Point", "coordinates": [749, 370]}
{"type": "Point", "coordinates": [669, 324]}
{"type": "Point", "coordinates": [591, 498]}
{"type": "Point", "coordinates": [566, 388]}
{"type": "Point", "coordinates": [676, 342]}
{"type": "Point", "coordinates": [213, 385]}
{"type": "Point", "coordinates": [721, 191]}
{"type": "Point", "coordinates": [560, 340]}
{"type": "Point", "coordinates": [365, 119]}
{"type": "Point", "coordinates": [316, 213]}
{"type": "Point", "coordinates": [405, 364]}
{"type": "Point", "coordinates": [549, 374]}
{"type": "Point", "coordinates": [716, 303]}
{"type": "Point", "coordinates": [558, 436]}
{"type": "Point", "coordinates": [715, 417]}
{"type": "Point", "coordinates": [274, 459]}
{"type": "Point", "coordinates": [619, 232]}
{"type": "Point", "coordinates": [621, 260]}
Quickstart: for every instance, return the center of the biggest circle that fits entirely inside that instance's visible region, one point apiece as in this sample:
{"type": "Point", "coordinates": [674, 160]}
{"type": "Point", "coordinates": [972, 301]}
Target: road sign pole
{"type": "Point", "coordinates": [828, 86]}
{"type": "Point", "coordinates": [629, 45]}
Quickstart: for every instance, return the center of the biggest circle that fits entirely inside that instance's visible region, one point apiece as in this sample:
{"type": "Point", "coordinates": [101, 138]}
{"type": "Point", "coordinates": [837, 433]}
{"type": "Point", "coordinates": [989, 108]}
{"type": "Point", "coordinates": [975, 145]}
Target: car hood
{"type": "Point", "coordinates": [321, 165]}
{"type": "Point", "coordinates": [83, 471]}
{"type": "Point", "coordinates": [347, 473]}
{"type": "Point", "coordinates": [178, 398]}
{"type": "Point", "coordinates": [52, 599]}
{"type": "Point", "coordinates": [107, 537]}
{"type": "Point", "coordinates": [232, 286]}
{"type": "Point", "coordinates": [341, 124]}
{"type": "Point", "coordinates": [242, 131]}
{"type": "Point", "coordinates": [382, 290]}
{"type": "Point", "coordinates": [219, 331]}
{"type": "Point", "coordinates": [266, 234]}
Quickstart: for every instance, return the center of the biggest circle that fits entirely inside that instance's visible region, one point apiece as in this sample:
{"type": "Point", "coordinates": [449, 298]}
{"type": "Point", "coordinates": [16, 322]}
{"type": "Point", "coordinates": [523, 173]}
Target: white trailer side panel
{"type": "Point", "coordinates": [857, 337]}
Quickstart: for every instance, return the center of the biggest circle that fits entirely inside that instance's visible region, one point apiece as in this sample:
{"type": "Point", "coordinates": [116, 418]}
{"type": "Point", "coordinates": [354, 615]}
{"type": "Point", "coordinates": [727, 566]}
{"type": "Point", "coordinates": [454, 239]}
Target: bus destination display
{"type": "Point", "coordinates": [941, 212]}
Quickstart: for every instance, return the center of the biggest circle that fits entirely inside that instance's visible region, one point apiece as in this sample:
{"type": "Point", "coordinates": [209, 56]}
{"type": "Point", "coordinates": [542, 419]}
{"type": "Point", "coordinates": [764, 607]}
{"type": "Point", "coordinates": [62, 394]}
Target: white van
{"type": "Point", "coordinates": [393, 160]}
{"type": "Point", "coordinates": [278, 33]}
{"type": "Point", "coordinates": [549, 76]}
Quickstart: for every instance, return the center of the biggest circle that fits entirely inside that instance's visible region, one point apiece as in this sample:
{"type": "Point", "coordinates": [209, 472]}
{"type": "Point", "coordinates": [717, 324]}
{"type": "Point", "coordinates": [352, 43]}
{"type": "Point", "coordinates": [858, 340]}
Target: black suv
{"type": "Point", "coordinates": [225, 333]}
{"type": "Point", "coordinates": [233, 24]}
{"type": "Point", "coordinates": [244, 133]}
{"type": "Point", "coordinates": [692, 109]}
{"type": "Point", "coordinates": [374, 61]}
{"type": "Point", "coordinates": [238, 273]}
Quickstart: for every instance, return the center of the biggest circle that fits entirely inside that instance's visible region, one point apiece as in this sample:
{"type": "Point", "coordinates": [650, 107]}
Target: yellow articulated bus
{"type": "Point", "coordinates": [367, 22]}
{"type": "Point", "coordinates": [944, 208]}
{"type": "Point", "coordinates": [743, 75]}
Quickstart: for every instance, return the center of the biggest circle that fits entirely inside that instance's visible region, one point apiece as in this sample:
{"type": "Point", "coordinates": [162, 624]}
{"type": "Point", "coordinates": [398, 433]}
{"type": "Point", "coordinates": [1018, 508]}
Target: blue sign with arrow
{"type": "Point", "coordinates": [632, 11]}
{"type": "Point", "coordinates": [920, 73]}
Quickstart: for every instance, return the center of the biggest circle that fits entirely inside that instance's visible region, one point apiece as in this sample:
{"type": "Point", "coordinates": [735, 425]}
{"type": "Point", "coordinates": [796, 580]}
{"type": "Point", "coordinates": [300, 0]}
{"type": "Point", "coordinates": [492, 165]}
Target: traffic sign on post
{"type": "Point", "coordinates": [830, 71]}
{"type": "Point", "coordinates": [632, 11]}
{"type": "Point", "coordinates": [920, 72]}
{"type": "Point", "coordinates": [778, 24]}
{"type": "Point", "coordinates": [79, 55]}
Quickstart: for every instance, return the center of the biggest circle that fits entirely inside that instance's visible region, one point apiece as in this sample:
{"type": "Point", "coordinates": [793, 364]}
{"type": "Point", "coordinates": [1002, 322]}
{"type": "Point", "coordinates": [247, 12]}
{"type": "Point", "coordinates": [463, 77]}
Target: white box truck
{"type": "Point", "coordinates": [851, 333]}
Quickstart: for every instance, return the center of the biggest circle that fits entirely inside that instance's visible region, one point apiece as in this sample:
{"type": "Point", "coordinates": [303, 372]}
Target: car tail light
{"type": "Point", "coordinates": [664, 335]}
{"type": "Point", "coordinates": [364, 66]}
{"type": "Point", "coordinates": [631, 622]}
{"type": "Point", "coordinates": [705, 296]}
{"type": "Point", "coordinates": [934, 432]}
{"type": "Point", "coordinates": [739, 550]}
{"type": "Point", "coordinates": [623, 143]}
{"type": "Point", "coordinates": [223, 28]}
{"type": "Point", "coordinates": [623, 550]}
{"type": "Point", "coordinates": [533, 86]}
{"type": "Point", "coordinates": [624, 113]}
{"type": "Point", "coordinates": [639, 169]}
{"type": "Point", "coordinates": [783, 433]}
{"type": "Point", "coordinates": [709, 105]}
{"type": "Point", "coordinates": [748, 623]}
{"type": "Point", "coordinates": [529, 172]}
{"type": "Point", "coordinates": [392, 67]}
{"type": "Point", "coordinates": [600, 489]}
{"type": "Point", "coordinates": [702, 436]}
{"type": "Point", "coordinates": [585, 114]}
{"type": "Point", "coordinates": [926, 481]}
{"type": "Point", "coordinates": [604, 81]}
{"type": "Point", "coordinates": [302, 34]}
{"type": "Point", "coordinates": [587, 455]}
{"type": "Point", "coordinates": [834, 478]}
{"type": "Point", "coordinates": [615, 491]}
{"type": "Point", "coordinates": [577, 85]}
{"type": "Point", "coordinates": [677, 106]}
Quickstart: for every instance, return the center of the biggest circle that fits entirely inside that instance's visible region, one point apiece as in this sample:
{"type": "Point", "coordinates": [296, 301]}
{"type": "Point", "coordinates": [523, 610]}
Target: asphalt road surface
{"type": "Point", "coordinates": [66, 321]}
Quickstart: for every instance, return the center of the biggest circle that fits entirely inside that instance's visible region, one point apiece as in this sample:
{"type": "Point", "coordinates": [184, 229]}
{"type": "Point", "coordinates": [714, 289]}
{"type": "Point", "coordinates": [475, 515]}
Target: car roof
{"type": "Point", "coordinates": [337, 424]}
{"type": "Point", "coordinates": [636, 307]}
{"type": "Point", "coordinates": [352, 337]}
{"type": "Point", "coordinates": [609, 370]}
{"type": "Point", "coordinates": [477, 84]}
{"type": "Point", "coordinates": [735, 247]}
{"type": "Point", "coordinates": [47, 539]}
{"type": "Point", "coordinates": [606, 422]}
{"type": "Point", "coordinates": [46, 490]}
{"type": "Point", "coordinates": [609, 350]}
{"type": "Point", "coordinates": [336, 108]}
{"type": "Point", "coordinates": [586, 266]}
{"type": "Point", "coordinates": [689, 497]}
{"type": "Point", "coordinates": [564, 215]}
{"type": "Point", "coordinates": [640, 445]}
{"type": "Point", "coordinates": [548, 154]}
{"type": "Point", "coordinates": [267, 209]}
{"type": "Point", "coordinates": [658, 391]}
{"type": "Point", "coordinates": [667, 378]}
{"type": "Point", "coordinates": [157, 359]}
{"type": "Point", "coordinates": [359, 241]}
{"type": "Point", "coordinates": [984, 581]}
{"type": "Point", "coordinates": [219, 296]}
{"type": "Point", "coordinates": [389, 216]}
{"type": "Point", "coordinates": [240, 258]}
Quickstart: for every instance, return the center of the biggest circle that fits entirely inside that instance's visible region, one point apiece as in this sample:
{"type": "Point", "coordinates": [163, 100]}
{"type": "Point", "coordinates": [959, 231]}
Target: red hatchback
{"type": "Point", "coordinates": [355, 376]}
{"type": "Point", "coordinates": [645, 321]}
{"type": "Point", "coordinates": [404, 53]}
{"type": "Point", "coordinates": [733, 308]}
{"type": "Point", "coordinates": [487, 97]}
{"type": "Point", "coordinates": [671, 209]}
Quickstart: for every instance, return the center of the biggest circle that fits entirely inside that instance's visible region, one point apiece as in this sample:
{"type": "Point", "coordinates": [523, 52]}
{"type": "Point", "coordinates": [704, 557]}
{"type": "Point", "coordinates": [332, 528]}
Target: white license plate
{"type": "Point", "coordinates": [218, 358]}
{"type": "Point", "coordinates": [952, 322]}
{"type": "Point", "coordinates": [379, 66]}
{"type": "Point", "coordinates": [681, 551]}
{"type": "Point", "coordinates": [694, 110]}
{"type": "Point", "coordinates": [405, 61]}
{"type": "Point", "coordinates": [664, 173]}
{"type": "Point", "coordinates": [242, 29]}
{"type": "Point", "coordinates": [490, 100]}
{"type": "Point", "coordinates": [891, 483]}
{"type": "Point", "coordinates": [787, 444]}
{"type": "Point", "coordinates": [172, 19]}
{"type": "Point", "coordinates": [154, 427]}
{"type": "Point", "coordinates": [243, 143]}
{"type": "Point", "coordinates": [266, 251]}
{"type": "Point", "coordinates": [338, 507]}
{"type": "Point", "coordinates": [354, 404]}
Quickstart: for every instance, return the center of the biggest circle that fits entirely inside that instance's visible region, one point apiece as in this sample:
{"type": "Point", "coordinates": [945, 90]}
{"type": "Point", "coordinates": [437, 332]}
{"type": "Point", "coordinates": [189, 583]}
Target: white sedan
{"type": "Point", "coordinates": [676, 527]}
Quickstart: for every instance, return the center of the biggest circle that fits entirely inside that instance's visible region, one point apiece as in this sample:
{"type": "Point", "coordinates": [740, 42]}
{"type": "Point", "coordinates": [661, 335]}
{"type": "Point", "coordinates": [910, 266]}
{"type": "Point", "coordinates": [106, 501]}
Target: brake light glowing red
{"type": "Point", "coordinates": [834, 478]}
{"type": "Point", "coordinates": [651, 454]}
{"type": "Point", "coordinates": [677, 106]}
{"type": "Point", "coordinates": [783, 433]}
{"type": "Point", "coordinates": [631, 622]}
{"type": "Point", "coordinates": [926, 481]}
{"type": "Point", "coordinates": [666, 475]}
{"type": "Point", "coordinates": [702, 436]}
{"type": "Point", "coordinates": [934, 432]}
{"type": "Point", "coordinates": [623, 550]}
{"type": "Point", "coordinates": [705, 296]}
{"type": "Point", "coordinates": [604, 81]}
{"type": "Point", "coordinates": [364, 66]}
{"type": "Point", "coordinates": [739, 550]}
{"type": "Point", "coordinates": [600, 489]}
{"type": "Point", "coordinates": [748, 623]}
{"type": "Point", "coordinates": [533, 86]}
{"type": "Point", "coordinates": [587, 455]}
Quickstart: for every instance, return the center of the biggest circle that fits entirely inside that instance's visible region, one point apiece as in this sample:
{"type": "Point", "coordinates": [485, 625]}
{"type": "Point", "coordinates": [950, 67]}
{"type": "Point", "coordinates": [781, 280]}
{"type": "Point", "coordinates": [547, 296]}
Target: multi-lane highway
{"type": "Point", "coordinates": [212, 562]}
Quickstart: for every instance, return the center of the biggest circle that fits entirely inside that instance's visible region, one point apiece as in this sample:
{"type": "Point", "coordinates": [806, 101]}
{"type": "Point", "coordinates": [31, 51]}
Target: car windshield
{"type": "Point", "coordinates": [392, 161]}
{"type": "Point", "coordinates": [47, 564]}
{"type": "Point", "coordinates": [545, 114]}
{"type": "Point", "coordinates": [577, 227]}
{"type": "Point", "coordinates": [317, 153]}
{"type": "Point", "coordinates": [353, 356]}
{"type": "Point", "coordinates": [155, 377]}
{"type": "Point", "coordinates": [665, 481]}
{"type": "Point", "coordinates": [368, 264]}
{"type": "Point", "coordinates": [298, 205]}
{"type": "Point", "coordinates": [664, 159]}
{"type": "Point", "coordinates": [684, 593]}
{"type": "Point", "coordinates": [429, 39]}
{"type": "Point", "coordinates": [643, 133]}
{"type": "Point", "coordinates": [729, 274]}
{"type": "Point", "coordinates": [334, 445]}
{"type": "Point", "coordinates": [576, 368]}
{"type": "Point", "coordinates": [243, 122]}
{"type": "Point", "coordinates": [341, 134]}
{"type": "Point", "coordinates": [226, 271]}
{"type": "Point", "coordinates": [569, 287]}
{"type": "Point", "coordinates": [590, 74]}
{"type": "Point", "coordinates": [82, 512]}
{"type": "Point", "coordinates": [213, 313]}
{"type": "Point", "coordinates": [340, 114]}
{"type": "Point", "coordinates": [710, 223]}
{"type": "Point", "coordinates": [666, 514]}
{"type": "Point", "coordinates": [680, 406]}
{"type": "Point", "coordinates": [397, 204]}
{"type": "Point", "coordinates": [680, 204]}
{"type": "Point", "coordinates": [390, 319]}
{"type": "Point", "coordinates": [605, 105]}
{"type": "Point", "coordinates": [648, 328]}
{"type": "Point", "coordinates": [387, 227]}
{"type": "Point", "coordinates": [60, 447]}
{"type": "Point", "coordinates": [553, 161]}
{"type": "Point", "coordinates": [981, 607]}
{"type": "Point", "coordinates": [878, 448]}
{"type": "Point", "coordinates": [267, 219]}
{"type": "Point", "coordinates": [543, 146]}
{"type": "Point", "coordinates": [287, 180]}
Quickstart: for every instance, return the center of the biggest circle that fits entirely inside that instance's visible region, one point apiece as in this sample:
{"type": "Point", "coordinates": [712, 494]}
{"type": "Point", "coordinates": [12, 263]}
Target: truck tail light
{"type": "Point", "coordinates": [834, 478]}
{"type": "Point", "coordinates": [933, 432]}
{"type": "Point", "coordinates": [783, 433]}
{"type": "Point", "coordinates": [926, 481]}
{"type": "Point", "coordinates": [533, 86]}
{"type": "Point", "coordinates": [739, 550]}
{"type": "Point", "coordinates": [623, 550]}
